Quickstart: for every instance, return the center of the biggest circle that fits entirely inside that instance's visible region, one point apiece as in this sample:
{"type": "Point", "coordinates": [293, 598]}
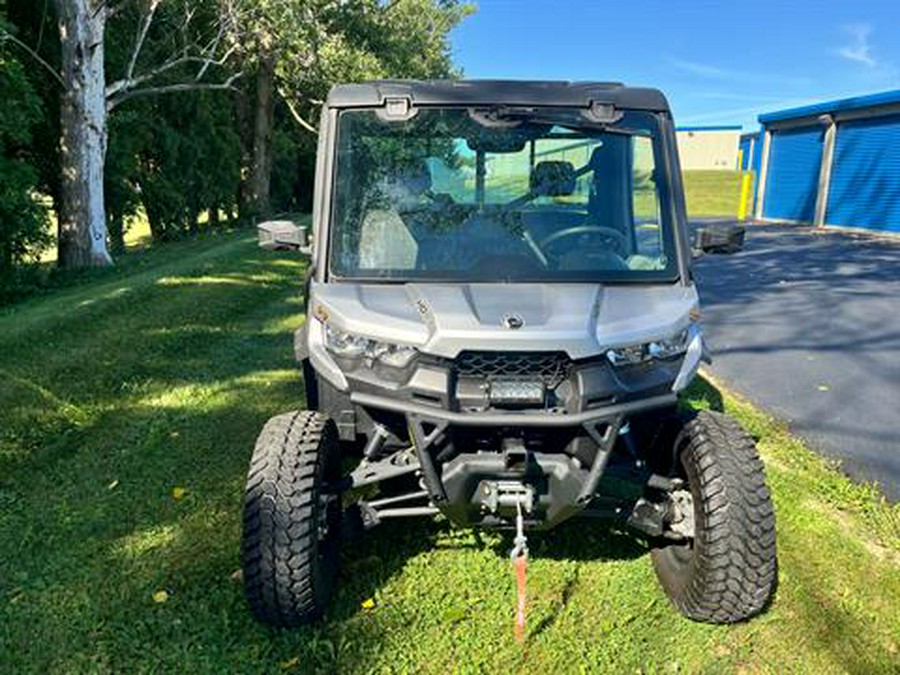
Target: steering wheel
{"type": "Point", "coordinates": [620, 242]}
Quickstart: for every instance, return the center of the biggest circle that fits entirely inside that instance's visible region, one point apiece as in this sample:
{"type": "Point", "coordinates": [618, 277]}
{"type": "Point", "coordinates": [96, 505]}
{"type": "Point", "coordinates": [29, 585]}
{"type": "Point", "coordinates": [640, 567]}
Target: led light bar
{"type": "Point", "coordinates": [518, 392]}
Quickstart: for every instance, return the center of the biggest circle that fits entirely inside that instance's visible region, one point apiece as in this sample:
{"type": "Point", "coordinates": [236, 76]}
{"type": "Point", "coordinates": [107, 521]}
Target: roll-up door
{"type": "Point", "coordinates": [745, 152]}
{"type": "Point", "coordinates": [865, 174]}
{"type": "Point", "coordinates": [792, 182]}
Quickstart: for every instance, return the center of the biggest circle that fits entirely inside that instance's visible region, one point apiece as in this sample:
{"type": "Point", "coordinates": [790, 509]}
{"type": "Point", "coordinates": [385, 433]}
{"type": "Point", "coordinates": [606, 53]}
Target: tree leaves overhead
{"type": "Point", "coordinates": [317, 43]}
{"type": "Point", "coordinates": [165, 46]}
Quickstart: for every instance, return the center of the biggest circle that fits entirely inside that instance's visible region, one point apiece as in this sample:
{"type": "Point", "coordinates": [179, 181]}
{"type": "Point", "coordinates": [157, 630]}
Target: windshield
{"type": "Point", "coordinates": [474, 195]}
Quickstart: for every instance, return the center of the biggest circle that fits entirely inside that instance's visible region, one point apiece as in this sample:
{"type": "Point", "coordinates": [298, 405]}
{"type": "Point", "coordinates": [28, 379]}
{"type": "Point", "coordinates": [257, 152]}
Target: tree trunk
{"type": "Point", "coordinates": [157, 227]}
{"type": "Point", "coordinates": [243, 100]}
{"type": "Point", "coordinates": [261, 166]}
{"type": "Point", "coordinates": [116, 229]}
{"type": "Point", "coordinates": [82, 222]}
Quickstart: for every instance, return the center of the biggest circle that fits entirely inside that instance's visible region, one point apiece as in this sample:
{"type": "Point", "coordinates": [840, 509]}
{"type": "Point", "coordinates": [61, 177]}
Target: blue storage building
{"type": "Point", "coordinates": [834, 163]}
{"type": "Point", "coordinates": [751, 152]}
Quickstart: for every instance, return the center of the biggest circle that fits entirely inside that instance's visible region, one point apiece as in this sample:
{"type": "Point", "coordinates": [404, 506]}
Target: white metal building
{"type": "Point", "coordinates": [713, 148]}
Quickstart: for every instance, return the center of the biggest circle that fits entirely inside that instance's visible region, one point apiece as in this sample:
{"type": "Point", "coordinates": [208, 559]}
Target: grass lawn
{"type": "Point", "coordinates": [159, 374]}
{"type": "Point", "coordinates": [713, 193]}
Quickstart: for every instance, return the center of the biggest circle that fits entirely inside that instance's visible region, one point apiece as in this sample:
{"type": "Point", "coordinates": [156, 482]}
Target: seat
{"type": "Point", "coordinates": [385, 239]}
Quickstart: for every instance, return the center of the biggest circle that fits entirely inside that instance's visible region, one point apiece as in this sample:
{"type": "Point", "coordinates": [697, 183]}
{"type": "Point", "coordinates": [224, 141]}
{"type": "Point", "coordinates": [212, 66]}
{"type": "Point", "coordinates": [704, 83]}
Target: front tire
{"type": "Point", "coordinates": [291, 539]}
{"type": "Point", "coordinates": [727, 572]}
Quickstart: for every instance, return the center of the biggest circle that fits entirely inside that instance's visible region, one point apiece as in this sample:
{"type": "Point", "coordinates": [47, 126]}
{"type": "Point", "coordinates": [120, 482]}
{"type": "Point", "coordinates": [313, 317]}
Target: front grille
{"type": "Point", "coordinates": [551, 367]}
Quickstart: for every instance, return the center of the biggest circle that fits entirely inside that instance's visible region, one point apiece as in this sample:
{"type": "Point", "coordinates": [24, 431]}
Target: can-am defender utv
{"type": "Point", "coordinates": [501, 317]}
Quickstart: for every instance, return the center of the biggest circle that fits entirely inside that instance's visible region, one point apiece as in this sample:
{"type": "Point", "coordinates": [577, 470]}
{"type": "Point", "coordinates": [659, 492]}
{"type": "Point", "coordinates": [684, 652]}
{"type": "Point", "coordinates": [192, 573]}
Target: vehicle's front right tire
{"type": "Point", "coordinates": [727, 572]}
{"type": "Point", "coordinates": [291, 538]}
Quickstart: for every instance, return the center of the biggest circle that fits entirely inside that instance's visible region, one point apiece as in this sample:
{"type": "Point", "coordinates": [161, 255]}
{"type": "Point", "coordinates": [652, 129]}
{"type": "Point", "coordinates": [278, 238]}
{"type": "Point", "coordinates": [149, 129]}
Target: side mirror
{"type": "Point", "coordinates": [719, 238]}
{"type": "Point", "coordinates": [280, 235]}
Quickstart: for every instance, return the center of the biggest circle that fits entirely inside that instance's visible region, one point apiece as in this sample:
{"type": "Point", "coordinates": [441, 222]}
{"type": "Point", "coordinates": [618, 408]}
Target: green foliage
{"type": "Point", "coordinates": [122, 166]}
{"type": "Point", "coordinates": [293, 166]}
{"type": "Point", "coordinates": [23, 217]}
{"type": "Point", "coordinates": [410, 38]}
{"type": "Point", "coordinates": [34, 23]}
{"type": "Point", "coordinates": [187, 160]}
{"type": "Point", "coordinates": [174, 154]}
{"type": "Point", "coordinates": [318, 43]}
{"type": "Point", "coordinates": [321, 43]}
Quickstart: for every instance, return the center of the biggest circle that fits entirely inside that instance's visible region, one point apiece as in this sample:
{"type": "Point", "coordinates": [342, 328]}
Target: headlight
{"type": "Point", "coordinates": [396, 356]}
{"type": "Point", "coordinates": [349, 347]}
{"type": "Point", "coordinates": [345, 345]}
{"type": "Point", "coordinates": [658, 349]}
{"type": "Point", "coordinates": [673, 346]}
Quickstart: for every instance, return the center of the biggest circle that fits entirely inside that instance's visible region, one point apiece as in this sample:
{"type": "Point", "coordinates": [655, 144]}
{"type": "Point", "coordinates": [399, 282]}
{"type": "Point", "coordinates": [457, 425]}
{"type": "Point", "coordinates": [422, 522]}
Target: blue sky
{"type": "Point", "coordinates": [718, 62]}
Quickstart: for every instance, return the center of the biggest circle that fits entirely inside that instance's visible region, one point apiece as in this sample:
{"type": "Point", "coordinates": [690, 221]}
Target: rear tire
{"type": "Point", "coordinates": [291, 540]}
{"type": "Point", "coordinates": [727, 572]}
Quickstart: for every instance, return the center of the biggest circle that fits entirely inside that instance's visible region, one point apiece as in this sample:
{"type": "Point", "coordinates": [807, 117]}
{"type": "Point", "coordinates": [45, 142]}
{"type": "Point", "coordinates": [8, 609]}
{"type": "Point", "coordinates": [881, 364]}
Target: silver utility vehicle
{"type": "Point", "coordinates": [501, 317]}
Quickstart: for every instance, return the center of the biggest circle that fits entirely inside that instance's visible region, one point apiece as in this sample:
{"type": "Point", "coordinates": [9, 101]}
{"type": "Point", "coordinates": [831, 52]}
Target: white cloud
{"type": "Point", "coordinates": [712, 72]}
{"type": "Point", "coordinates": [701, 69]}
{"type": "Point", "coordinates": [859, 49]}
{"type": "Point", "coordinates": [729, 115]}
{"type": "Point", "coordinates": [725, 96]}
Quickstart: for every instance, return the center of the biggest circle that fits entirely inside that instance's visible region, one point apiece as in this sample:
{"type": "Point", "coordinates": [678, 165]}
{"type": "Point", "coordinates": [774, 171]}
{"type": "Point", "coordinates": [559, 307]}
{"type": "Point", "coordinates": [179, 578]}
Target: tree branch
{"type": "Point", "coordinates": [130, 83]}
{"type": "Point", "coordinates": [211, 49]}
{"type": "Point", "coordinates": [115, 101]}
{"type": "Point", "coordinates": [141, 37]}
{"type": "Point", "coordinates": [203, 55]}
{"type": "Point", "coordinates": [6, 35]}
{"type": "Point", "coordinates": [127, 84]}
{"type": "Point", "coordinates": [295, 113]}
{"type": "Point", "coordinates": [40, 39]}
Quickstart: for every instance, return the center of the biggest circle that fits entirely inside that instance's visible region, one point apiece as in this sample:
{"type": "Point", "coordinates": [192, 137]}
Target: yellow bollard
{"type": "Point", "coordinates": [745, 195]}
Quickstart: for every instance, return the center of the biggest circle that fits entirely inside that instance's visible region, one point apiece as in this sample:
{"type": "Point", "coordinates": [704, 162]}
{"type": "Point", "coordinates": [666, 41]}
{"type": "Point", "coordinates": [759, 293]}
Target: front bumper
{"type": "Point", "coordinates": [511, 418]}
{"type": "Point", "coordinates": [536, 452]}
{"type": "Point", "coordinates": [475, 457]}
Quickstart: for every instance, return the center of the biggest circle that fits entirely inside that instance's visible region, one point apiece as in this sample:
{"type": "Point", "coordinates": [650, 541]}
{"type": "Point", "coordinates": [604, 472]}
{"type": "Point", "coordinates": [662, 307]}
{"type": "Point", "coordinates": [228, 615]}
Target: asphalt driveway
{"type": "Point", "coordinates": [806, 323]}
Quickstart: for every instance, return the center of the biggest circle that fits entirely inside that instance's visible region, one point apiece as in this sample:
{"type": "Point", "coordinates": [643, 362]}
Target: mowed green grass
{"type": "Point", "coordinates": [159, 375]}
{"type": "Point", "coordinates": [714, 193]}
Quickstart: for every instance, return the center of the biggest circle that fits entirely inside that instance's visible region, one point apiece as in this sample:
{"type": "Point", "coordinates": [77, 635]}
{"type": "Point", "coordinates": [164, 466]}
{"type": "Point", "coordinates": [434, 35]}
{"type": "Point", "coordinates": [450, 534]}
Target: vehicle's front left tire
{"type": "Point", "coordinates": [291, 537]}
{"type": "Point", "coordinates": [727, 572]}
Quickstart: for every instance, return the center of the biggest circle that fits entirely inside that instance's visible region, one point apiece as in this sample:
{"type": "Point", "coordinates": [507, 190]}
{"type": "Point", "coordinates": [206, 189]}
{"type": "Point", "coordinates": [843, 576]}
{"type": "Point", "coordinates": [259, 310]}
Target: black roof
{"type": "Point", "coordinates": [488, 92]}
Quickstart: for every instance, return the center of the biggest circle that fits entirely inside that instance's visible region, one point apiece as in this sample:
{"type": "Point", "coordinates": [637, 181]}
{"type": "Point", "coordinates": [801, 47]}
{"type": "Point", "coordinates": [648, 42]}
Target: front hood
{"type": "Point", "coordinates": [444, 319]}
